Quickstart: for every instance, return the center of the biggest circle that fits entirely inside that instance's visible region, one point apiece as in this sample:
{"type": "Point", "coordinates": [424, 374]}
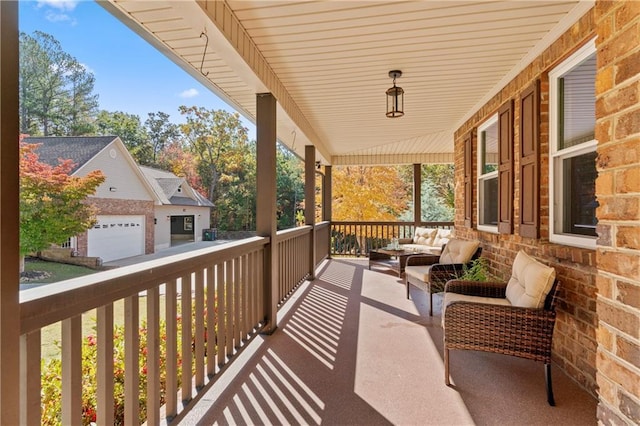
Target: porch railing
{"type": "Point", "coordinates": [358, 238]}
{"type": "Point", "coordinates": [202, 308]}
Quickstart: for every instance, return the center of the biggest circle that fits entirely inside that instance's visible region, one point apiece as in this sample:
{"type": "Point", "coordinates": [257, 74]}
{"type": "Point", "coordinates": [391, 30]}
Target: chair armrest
{"type": "Point", "coordinates": [509, 330]}
{"type": "Point", "coordinates": [474, 288]}
{"type": "Point", "coordinates": [405, 240]}
{"type": "Point", "coordinates": [421, 259]}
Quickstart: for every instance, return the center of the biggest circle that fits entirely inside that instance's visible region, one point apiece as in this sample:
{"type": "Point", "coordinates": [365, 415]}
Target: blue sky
{"type": "Point", "coordinates": [131, 76]}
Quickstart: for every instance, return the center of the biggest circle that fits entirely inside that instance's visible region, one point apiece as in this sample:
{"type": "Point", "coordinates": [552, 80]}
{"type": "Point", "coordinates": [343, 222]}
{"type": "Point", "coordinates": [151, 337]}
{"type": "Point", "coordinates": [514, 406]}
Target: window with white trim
{"type": "Point", "coordinates": [572, 145]}
{"type": "Point", "coordinates": [488, 175]}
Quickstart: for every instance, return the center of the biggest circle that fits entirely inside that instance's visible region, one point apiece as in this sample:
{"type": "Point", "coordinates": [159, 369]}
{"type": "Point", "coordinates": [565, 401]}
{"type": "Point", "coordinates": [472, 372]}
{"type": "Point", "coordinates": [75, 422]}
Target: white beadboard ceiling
{"type": "Point", "coordinates": [327, 63]}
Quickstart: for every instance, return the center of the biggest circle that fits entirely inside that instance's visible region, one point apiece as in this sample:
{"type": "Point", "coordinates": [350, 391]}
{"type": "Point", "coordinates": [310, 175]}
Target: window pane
{"type": "Point", "coordinates": [577, 101]}
{"type": "Point", "coordinates": [579, 195]}
{"type": "Point", "coordinates": [489, 201]}
{"type": "Point", "coordinates": [489, 141]}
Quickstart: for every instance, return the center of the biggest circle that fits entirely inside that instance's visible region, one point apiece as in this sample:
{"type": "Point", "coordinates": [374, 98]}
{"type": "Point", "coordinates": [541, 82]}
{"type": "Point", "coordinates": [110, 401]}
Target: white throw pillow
{"type": "Point", "coordinates": [458, 251]}
{"type": "Point", "coordinates": [424, 235]}
{"type": "Point", "coordinates": [530, 282]}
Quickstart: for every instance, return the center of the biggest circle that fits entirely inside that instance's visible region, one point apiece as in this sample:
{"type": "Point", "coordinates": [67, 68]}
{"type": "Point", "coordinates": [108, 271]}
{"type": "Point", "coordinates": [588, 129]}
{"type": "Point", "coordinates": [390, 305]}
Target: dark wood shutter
{"type": "Point", "coordinates": [530, 161]}
{"type": "Point", "coordinates": [505, 168]}
{"type": "Point", "coordinates": [468, 180]}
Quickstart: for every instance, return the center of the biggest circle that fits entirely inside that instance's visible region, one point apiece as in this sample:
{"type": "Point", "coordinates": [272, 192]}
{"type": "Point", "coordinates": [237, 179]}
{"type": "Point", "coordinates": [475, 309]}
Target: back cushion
{"type": "Point", "coordinates": [530, 282]}
{"type": "Point", "coordinates": [424, 235]}
{"type": "Point", "coordinates": [442, 237]}
{"type": "Point", "coordinates": [458, 251]}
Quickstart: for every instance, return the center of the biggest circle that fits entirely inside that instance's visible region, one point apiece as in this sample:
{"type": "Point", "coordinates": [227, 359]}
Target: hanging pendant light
{"type": "Point", "coordinates": [395, 97]}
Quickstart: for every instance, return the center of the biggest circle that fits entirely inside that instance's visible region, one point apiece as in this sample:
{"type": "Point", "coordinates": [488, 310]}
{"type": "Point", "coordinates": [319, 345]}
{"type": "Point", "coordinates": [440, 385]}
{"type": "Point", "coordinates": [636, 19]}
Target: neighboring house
{"type": "Point", "coordinates": [128, 222]}
{"type": "Point", "coordinates": [182, 213]}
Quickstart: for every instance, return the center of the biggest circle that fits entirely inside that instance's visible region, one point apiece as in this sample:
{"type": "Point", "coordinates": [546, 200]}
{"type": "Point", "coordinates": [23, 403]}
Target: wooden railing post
{"type": "Point", "coordinates": [326, 205]}
{"type": "Point", "coordinates": [417, 195]}
{"type": "Point", "coordinates": [310, 203]}
{"type": "Point", "coordinates": [9, 236]}
{"type": "Point", "coordinates": [266, 224]}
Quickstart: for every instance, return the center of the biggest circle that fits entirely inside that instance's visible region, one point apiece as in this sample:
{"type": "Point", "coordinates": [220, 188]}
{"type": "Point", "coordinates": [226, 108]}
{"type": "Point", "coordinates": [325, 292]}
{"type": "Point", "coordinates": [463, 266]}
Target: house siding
{"type": "Point", "coordinates": [119, 173]}
{"type": "Point", "coordinates": [575, 338]}
{"type": "Point", "coordinates": [111, 206]}
{"type": "Point", "coordinates": [618, 193]}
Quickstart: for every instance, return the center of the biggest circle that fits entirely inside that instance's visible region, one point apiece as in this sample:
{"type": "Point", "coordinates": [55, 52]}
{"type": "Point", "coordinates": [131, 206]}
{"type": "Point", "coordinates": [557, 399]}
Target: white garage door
{"type": "Point", "coordinates": [116, 237]}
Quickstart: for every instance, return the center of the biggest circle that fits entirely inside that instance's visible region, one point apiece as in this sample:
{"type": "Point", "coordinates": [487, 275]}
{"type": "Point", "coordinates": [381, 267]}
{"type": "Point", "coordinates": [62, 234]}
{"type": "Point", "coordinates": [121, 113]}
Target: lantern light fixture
{"type": "Point", "coordinates": [395, 97]}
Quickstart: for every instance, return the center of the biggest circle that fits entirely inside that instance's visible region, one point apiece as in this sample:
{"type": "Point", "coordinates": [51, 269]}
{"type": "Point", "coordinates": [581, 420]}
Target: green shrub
{"type": "Point", "coordinates": [478, 271]}
{"type": "Point", "coordinates": [51, 393]}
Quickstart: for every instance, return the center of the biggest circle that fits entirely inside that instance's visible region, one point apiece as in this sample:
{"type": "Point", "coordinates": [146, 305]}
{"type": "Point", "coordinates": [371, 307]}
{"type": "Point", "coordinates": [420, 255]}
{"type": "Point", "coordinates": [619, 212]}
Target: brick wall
{"type": "Point", "coordinates": [575, 341]}
{"type": "Point", "coordinates": [112, 206]}
{"type": "Point", "coordinates": [618, 192]}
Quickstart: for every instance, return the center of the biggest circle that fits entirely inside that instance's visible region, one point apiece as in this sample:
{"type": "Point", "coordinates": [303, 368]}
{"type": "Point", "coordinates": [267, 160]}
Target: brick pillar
{"type": "Point", "coordinates": [618, 192]}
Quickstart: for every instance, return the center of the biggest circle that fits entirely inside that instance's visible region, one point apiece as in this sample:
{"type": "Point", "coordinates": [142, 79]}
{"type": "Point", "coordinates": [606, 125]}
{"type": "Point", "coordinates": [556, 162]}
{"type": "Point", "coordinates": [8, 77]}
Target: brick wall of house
{"type": "Point", "coordinates": [618, 192]}
{"type": "Point", "coordinates": [575, 342]}
{"type": "Point", "coordinates": [112, 206]}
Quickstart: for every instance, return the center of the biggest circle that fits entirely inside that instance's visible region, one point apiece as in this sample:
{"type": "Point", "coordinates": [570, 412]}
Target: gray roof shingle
{"type": "Point", "coordinates": [78, 149]}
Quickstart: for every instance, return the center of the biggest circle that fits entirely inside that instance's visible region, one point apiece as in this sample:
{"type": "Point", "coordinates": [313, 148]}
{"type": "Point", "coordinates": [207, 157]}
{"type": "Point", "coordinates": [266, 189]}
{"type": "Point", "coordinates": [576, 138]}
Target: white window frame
{"type": "Point", "coordinates": [557, 156]}
{"type": "Point", "coordinates": [493, 120]}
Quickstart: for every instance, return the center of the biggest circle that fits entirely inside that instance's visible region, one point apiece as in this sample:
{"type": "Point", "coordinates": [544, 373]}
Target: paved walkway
{"type": "Point", "coordinates": [175, 249]}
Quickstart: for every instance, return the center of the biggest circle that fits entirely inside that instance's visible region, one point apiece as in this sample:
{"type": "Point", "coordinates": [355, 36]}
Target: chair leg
{"type": "Point", "coordinates": [430, 303]}
{"type": "Point", "coordinates": [547, 378]}
{"type": "Point", "coordinates": [407, 284]}
{"type": "Point", "coordinates": [446, 367]}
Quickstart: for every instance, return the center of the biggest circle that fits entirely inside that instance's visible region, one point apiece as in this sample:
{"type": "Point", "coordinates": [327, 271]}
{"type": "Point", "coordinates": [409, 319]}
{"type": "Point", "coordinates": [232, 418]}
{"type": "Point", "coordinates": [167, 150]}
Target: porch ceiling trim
{"type": "Point", "coordinates": [327, 63]}
{"type": "Point", "coordinates": [230, 28]}
{"type": "Point", "coordinates": [392, 159]}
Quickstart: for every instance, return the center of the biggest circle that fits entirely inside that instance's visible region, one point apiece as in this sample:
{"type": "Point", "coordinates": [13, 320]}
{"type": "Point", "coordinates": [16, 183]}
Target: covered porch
{"type": "Point", "coordinates": [299, 337]}
{"type": "Point", "coordinates": [351, 349]}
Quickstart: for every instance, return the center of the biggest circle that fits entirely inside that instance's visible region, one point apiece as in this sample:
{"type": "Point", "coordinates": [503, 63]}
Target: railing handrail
{"type": "Point", "coordinates": [290, 233]}
{"type": "Point", "coordinates": [49, 304]}
{"type": "Point", "coordinates": [369, 223]}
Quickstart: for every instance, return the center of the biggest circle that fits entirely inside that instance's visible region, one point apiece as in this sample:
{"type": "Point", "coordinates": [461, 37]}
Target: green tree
{"type": "Point", "coordinates": [56, 91]}
{"type": "Point", "coordinates": [226, 164]}
{"type": "Point", "coordinates": [441, 178]}
{"type": "Point", "coordinates": [437, 195]}
{"type": "Point", "coordinates": [130, 130]}
{"type": "Point", "coordinates": [289, 187]}
{"type": "Point", "coordinates": [53, 204]}
{"type": "Point", "coordinates": [80, 105]}
{"type": "Point", "coordinates": [160, 132]}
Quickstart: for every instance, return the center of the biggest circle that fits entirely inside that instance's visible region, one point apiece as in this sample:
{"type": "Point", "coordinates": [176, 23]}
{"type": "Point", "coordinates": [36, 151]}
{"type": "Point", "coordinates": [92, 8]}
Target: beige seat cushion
{"type": "Point", "coordinates": [421, 248]}
{"type": "Point", "coordinates": [458, 251]}
{"type": "Point", "coordinates": [420, 272]}
{"type": "Point", "coordinates": [530, 282]}
{"type": "Point", "coordinates": [449, 298]}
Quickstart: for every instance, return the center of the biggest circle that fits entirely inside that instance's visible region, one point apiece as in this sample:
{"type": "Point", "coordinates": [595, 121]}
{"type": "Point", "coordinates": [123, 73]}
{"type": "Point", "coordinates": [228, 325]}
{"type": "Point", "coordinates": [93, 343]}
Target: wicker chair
{"type": "Point", "coordinates": [429, 275]}
{"type": "Point", "coordinates": [499, 328]}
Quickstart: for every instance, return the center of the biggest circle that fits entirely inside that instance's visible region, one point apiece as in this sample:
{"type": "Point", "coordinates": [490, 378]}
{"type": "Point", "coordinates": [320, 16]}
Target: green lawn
{"type": "Point", "coordinates": [51, 334]}
{"type": "Point", "coordinates": [57, 271]}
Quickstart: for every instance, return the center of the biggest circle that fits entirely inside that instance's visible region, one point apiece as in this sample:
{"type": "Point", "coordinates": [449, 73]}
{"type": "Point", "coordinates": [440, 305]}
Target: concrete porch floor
{"type": "Point", "coordinates": [351, 349]}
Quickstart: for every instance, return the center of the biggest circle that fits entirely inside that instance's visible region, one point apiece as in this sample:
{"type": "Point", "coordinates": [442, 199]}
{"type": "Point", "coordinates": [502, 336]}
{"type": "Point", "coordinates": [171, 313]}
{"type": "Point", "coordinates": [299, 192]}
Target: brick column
{"type": "Point", "coordinates": [618, 193]}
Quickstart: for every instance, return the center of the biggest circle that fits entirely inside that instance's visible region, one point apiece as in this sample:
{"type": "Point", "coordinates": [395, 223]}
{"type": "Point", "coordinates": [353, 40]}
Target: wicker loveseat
{"type": "Point", "coordinates": [515, 318]}
{"type": "Point", "coordinates": [427, 240]}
